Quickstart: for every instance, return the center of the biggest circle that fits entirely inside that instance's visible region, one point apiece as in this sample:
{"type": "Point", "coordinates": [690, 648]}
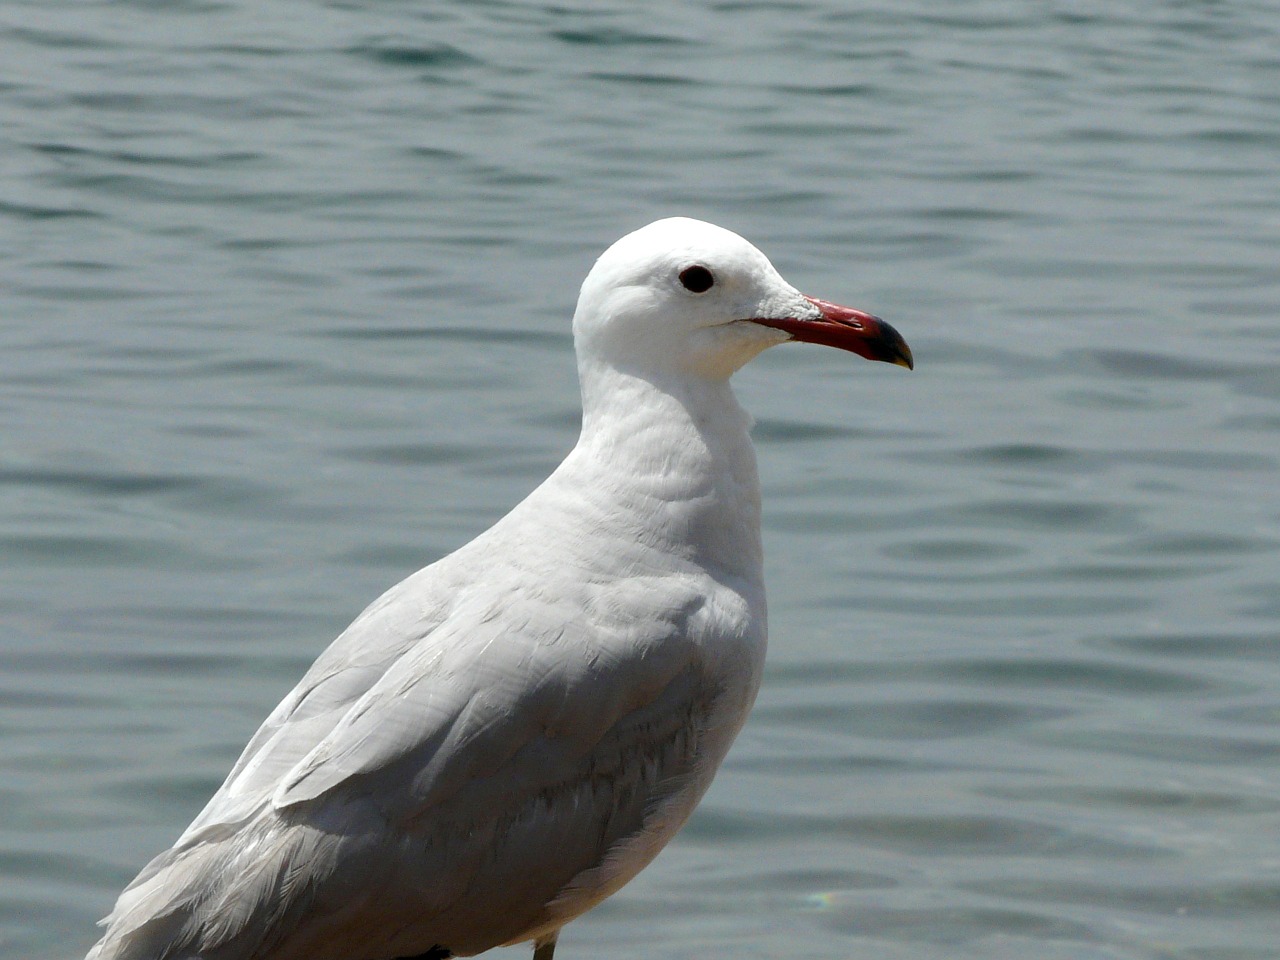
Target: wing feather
{"type": "Point", "coordinates": [475, 753]}
{"type": "Point", "coordinates": [467, 700]}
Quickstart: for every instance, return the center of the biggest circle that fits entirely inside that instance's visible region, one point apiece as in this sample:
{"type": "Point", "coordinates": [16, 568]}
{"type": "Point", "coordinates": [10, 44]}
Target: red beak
{"type": "Point", "coordinates": [847, 329]}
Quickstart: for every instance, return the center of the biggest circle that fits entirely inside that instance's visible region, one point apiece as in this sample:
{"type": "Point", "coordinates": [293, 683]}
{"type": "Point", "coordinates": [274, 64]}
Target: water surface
{"type": "Point", "coordinates": [286, 289]}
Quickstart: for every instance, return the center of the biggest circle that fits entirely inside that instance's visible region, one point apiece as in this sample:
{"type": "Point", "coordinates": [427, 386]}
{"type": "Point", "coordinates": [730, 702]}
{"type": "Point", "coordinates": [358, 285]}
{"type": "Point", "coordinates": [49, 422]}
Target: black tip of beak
{"type": "Point", "coordinates": [891, 348]}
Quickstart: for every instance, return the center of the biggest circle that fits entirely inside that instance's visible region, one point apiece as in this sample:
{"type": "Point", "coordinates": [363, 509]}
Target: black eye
{"type": "Point", "coordinates": [697, 279]}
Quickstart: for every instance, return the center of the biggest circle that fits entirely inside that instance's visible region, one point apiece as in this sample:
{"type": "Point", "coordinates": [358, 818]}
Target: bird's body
{"type": "Point", "coordinates": [509, 735]}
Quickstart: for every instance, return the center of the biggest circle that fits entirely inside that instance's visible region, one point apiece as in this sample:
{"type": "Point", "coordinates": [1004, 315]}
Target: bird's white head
{"type": "Point", "coordinates": [686, 298]}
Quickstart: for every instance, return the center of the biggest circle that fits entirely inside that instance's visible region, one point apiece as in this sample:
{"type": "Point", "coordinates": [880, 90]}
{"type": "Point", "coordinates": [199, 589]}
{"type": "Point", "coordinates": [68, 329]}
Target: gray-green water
{"type": "Point", "coordinates": [284, 316]}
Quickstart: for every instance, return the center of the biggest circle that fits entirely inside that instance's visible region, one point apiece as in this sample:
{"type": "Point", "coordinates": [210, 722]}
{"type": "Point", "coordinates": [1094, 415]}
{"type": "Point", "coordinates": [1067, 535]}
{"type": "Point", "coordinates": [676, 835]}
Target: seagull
{"type": "Point", "coordinates": [505, 738]}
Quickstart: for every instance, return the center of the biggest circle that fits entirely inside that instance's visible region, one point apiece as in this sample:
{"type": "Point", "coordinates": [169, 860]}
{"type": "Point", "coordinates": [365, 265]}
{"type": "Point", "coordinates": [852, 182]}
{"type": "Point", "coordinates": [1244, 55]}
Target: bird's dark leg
{"type": "Point", "coordinates": [544, 948]}
{"type": "Point", "coordinates": [435, 953]}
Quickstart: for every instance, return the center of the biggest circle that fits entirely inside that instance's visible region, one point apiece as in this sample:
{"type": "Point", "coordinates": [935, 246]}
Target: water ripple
{"type": "Point", "coordinates": [287, 316]}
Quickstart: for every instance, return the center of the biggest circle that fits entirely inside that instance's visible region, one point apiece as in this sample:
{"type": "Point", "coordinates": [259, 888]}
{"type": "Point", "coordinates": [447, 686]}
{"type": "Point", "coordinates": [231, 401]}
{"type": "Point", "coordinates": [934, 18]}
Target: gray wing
{"type": "Point", "coordinates": [484, 698]}
{"type": "Point", "coordinates": [464, 725]}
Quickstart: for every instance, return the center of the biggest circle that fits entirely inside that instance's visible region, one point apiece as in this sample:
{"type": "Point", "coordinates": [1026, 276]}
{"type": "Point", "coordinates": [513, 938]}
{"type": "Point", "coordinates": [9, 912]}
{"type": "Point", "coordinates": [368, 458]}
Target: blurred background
{"type": "Point", "coordinates": [284, 301]}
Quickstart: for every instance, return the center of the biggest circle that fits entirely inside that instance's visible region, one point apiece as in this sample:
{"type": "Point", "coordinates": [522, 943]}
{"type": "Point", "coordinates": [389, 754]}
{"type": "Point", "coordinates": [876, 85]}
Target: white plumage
{"type": "Point", "coordinates": [509, 735]}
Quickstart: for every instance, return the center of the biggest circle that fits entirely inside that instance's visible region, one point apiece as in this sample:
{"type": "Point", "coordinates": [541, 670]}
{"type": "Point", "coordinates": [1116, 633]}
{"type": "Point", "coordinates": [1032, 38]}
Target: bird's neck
{"type": "Point", "coordinates": [677, 454]}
